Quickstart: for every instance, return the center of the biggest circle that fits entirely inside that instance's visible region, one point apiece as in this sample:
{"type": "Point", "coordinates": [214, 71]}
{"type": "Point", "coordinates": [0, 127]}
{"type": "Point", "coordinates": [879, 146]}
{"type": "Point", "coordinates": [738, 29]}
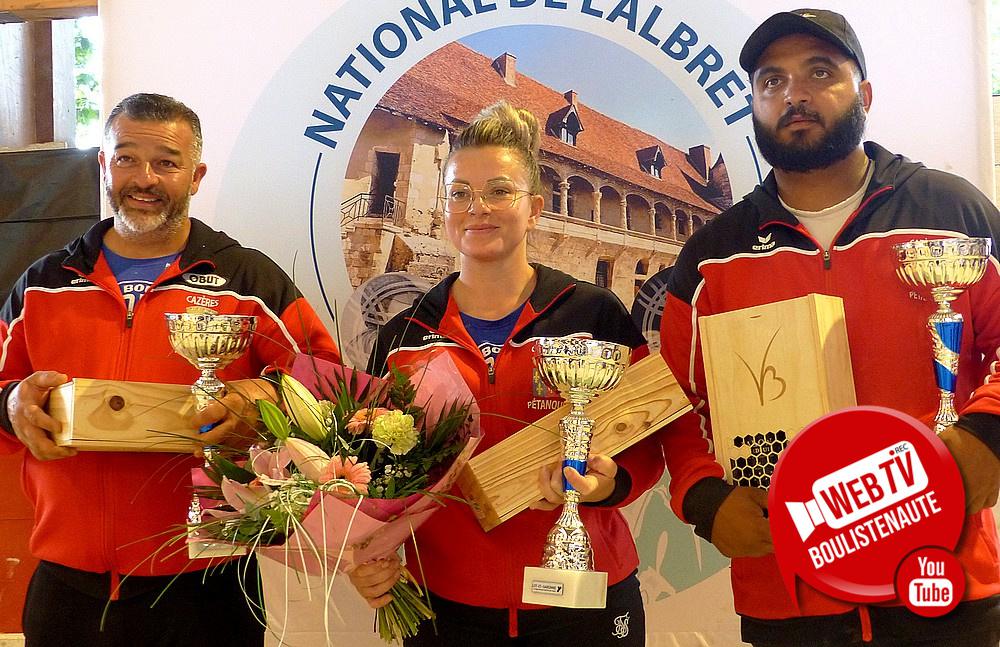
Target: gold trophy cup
{"type": "Point", "coordinates": [579, 369]}
{"type": "Point", "coordinates": [210, 342]}
{"type": "Point", "coordinates": [947, 266]}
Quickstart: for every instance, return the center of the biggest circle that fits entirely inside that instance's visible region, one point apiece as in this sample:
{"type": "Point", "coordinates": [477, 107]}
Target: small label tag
{"type": "Point", "coordinates": [547, 588]}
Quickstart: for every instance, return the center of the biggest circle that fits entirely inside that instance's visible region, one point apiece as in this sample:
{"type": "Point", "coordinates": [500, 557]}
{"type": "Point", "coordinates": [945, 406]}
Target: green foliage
{"type": "Point", "coordinates": [271, 520]}
{"type": "Point", "coordinates": [402, 392]}
{"type": "Point", "coordinates": [274, 419]}
{"type": "Point", "coordinates": [218, 466]}
{"type": "Point", "coordinates": [87, 87]}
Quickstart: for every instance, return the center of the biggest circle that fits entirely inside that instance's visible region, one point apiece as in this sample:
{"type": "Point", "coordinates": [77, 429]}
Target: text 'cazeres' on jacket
{"type": "Point", "coordinates": [757, 253]}
{"type": "Point", "coordinates": [116, 511]}
{"type": "Point", "coordinates": [459, 560]}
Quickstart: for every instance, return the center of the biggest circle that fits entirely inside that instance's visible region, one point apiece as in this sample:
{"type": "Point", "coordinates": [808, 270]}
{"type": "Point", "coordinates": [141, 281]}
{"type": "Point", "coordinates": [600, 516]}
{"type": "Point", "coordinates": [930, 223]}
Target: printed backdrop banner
{"type": "Point", "coordinates": [327, 124]}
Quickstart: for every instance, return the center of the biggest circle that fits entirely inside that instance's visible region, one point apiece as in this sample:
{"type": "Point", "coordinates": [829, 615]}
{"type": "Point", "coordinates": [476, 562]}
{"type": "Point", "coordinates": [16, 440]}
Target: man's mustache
{"type": "Point", "coordinates": [798, 111]}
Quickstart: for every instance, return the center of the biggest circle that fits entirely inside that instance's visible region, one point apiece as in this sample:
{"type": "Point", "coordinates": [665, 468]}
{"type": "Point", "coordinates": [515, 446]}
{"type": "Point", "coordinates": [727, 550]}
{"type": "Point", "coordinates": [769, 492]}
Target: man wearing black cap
{"type": "Point", "coordinates": [824, 221]}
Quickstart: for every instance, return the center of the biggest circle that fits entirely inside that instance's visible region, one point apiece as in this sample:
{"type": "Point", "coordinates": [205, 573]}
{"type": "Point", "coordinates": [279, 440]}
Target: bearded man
{"type": "Point", "coordinates": [833, 207]}
{"type": "Point", "coordinates": [108, 526]}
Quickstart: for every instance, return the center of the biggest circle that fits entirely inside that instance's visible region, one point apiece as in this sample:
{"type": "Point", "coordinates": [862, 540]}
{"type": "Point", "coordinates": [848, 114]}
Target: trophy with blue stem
{"type": "Point", "coordinates": [947, 266]}
{"type": "Point", "coordinates": [579, 369]}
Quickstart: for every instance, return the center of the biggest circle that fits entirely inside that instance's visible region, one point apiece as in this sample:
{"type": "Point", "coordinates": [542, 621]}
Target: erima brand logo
{"type": "Point", "coordinates": [547, 588]}
{"type": "Point", "coordinates": [204, 279]}
{"type": "Point", "coordinates": [431, 337]}
{"type": "Point", "coordinates": [765, 243]}
{"type": "Point", "coordinates": [79, 280]}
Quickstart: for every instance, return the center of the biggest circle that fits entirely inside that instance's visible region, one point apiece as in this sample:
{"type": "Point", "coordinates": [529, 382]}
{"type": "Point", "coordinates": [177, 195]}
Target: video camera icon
{"type": "Point", "coordinates": [863, 488]}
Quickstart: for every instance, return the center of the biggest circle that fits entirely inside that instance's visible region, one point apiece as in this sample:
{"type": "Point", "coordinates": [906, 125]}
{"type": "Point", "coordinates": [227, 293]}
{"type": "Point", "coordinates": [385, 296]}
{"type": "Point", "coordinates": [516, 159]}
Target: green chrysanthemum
{"type": "Point", "coordinates": [395, 429]}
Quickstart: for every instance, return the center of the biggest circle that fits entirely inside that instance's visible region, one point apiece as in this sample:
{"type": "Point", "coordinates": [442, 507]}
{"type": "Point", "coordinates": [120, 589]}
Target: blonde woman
{"type": "Point", "coordinates": [486, 316]}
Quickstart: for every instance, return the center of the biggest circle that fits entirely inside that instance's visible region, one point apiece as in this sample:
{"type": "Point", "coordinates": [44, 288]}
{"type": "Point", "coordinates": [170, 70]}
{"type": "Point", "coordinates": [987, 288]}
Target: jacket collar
{"type": "Point", "coordinates": [891, 170]}
{"type": "Point", "coordinates": [202, 245]}
{"type": "Point", "coordinates": [550, 285]}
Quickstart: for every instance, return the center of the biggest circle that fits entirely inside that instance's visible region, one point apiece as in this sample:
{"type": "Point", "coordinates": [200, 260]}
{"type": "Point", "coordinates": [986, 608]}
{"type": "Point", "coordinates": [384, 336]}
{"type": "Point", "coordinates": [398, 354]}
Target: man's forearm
{"type": "Point", "coordinates": [702, 502]}
{"type": "Point", "coordinates": [985, 427]}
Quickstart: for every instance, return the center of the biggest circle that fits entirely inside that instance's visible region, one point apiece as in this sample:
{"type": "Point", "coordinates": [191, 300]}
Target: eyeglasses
{"type": "Point", "coordinates": [458, 196]}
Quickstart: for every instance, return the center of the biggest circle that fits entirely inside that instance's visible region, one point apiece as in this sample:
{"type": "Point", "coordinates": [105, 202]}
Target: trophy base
{"type": "Point", "coordinates": [211, 549]}
{"type": "Point", "coordinates": [561, 588]}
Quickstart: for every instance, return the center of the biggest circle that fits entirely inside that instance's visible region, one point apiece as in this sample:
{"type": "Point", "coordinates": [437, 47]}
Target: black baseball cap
{"type": "Point", "coordinates": [827, 25]}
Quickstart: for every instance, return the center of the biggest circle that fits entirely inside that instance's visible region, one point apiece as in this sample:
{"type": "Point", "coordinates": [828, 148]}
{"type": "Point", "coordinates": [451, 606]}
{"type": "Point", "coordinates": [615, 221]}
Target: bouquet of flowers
{"type": "Point", "coordinates": [349, 469]}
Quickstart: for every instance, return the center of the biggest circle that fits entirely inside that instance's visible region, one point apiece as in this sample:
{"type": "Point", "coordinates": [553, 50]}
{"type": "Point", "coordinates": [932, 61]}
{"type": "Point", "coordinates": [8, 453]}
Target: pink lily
{"type": "Point", "coordinates": [242, 496]}
{"type": "Point", "coordinates": [270, 465]}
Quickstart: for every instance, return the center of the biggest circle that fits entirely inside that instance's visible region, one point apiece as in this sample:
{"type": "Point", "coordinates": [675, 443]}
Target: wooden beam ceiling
{"type": "Point", "coordinates": [28, 10]}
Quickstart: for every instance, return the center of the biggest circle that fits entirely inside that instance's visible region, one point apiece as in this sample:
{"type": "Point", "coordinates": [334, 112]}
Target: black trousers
{"type": "Point", "coordinates": [970, 624]}
{"type": "Point", "coordinates": [67, 607]}
{"type": "Point", "coordinates": [621, 623]}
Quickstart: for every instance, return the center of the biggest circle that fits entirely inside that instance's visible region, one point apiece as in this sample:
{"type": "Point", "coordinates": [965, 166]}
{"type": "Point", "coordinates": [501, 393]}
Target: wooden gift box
{"type": "Point", "coordinates": [503, 480]}
{"type": "Point", "coordinates": [108, 415]}
{"type": "Point", "coordinates": [770, 371]}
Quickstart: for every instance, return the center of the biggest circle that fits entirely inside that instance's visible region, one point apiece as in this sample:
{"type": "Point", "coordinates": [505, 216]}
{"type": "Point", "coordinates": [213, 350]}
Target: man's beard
{"type": "Point", "coordinates": [800, 156]}
{"type": "Point", "coordinates": [166, 222]}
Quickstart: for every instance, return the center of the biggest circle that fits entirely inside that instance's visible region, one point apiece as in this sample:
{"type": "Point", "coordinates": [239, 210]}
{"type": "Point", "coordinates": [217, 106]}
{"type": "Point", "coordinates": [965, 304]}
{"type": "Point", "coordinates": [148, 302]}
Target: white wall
{"type": "Point", "coordinates": [927, 60]}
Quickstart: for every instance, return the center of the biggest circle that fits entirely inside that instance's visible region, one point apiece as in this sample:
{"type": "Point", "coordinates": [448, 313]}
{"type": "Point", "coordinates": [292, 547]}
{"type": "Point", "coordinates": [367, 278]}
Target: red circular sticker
{"type": "Point", "coordinates": [853, 494]}
{"type": "Point", "coordinates": [930, 581]}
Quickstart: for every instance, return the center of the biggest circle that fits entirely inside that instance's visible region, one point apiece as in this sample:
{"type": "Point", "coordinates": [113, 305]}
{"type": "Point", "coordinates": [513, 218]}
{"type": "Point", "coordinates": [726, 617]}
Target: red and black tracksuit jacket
{"type": "Point", "coordinates": [459, 560]}
{"type": "Point", "coordinates": [116, 511]}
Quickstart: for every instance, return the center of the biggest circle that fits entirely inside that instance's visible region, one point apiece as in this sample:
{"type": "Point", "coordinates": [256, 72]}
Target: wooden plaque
{"type": "Point", "coordinates": [770, 371]}
{"type": "Point", "coordinates": [503, 480]}
{"type": "Point", "coordinates": [107, 415]}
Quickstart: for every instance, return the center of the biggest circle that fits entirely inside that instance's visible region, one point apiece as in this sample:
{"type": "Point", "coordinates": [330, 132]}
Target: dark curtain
{"type": "Point", "coordinates": [47, 198]}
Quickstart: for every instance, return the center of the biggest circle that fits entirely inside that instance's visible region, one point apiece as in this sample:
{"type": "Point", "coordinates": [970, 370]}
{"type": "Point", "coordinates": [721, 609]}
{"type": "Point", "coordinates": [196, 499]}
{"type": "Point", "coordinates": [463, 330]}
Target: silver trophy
{"type": "Point", "coordinates": [579, 369]}
{"type": "Point", "coordinates": [947, 266]}
{"type": "Point", "coordinates": [211, 342]}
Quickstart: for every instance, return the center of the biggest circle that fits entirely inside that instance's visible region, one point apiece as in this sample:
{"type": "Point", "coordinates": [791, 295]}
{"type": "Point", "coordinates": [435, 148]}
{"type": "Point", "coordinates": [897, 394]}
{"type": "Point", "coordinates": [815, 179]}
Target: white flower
{"type": "Point", "coordinates": [303, 408]}
{"type": "Point", "coordinates": [309, 458]}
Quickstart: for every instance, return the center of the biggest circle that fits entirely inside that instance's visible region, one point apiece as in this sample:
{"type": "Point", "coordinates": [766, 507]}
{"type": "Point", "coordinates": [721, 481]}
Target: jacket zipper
{"type": "Point", "coordinates": [851, 218]}
{"type": "Point", "coordinates": [827, 260]}
{"type": "Point", "coordinates": [130, 315]}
